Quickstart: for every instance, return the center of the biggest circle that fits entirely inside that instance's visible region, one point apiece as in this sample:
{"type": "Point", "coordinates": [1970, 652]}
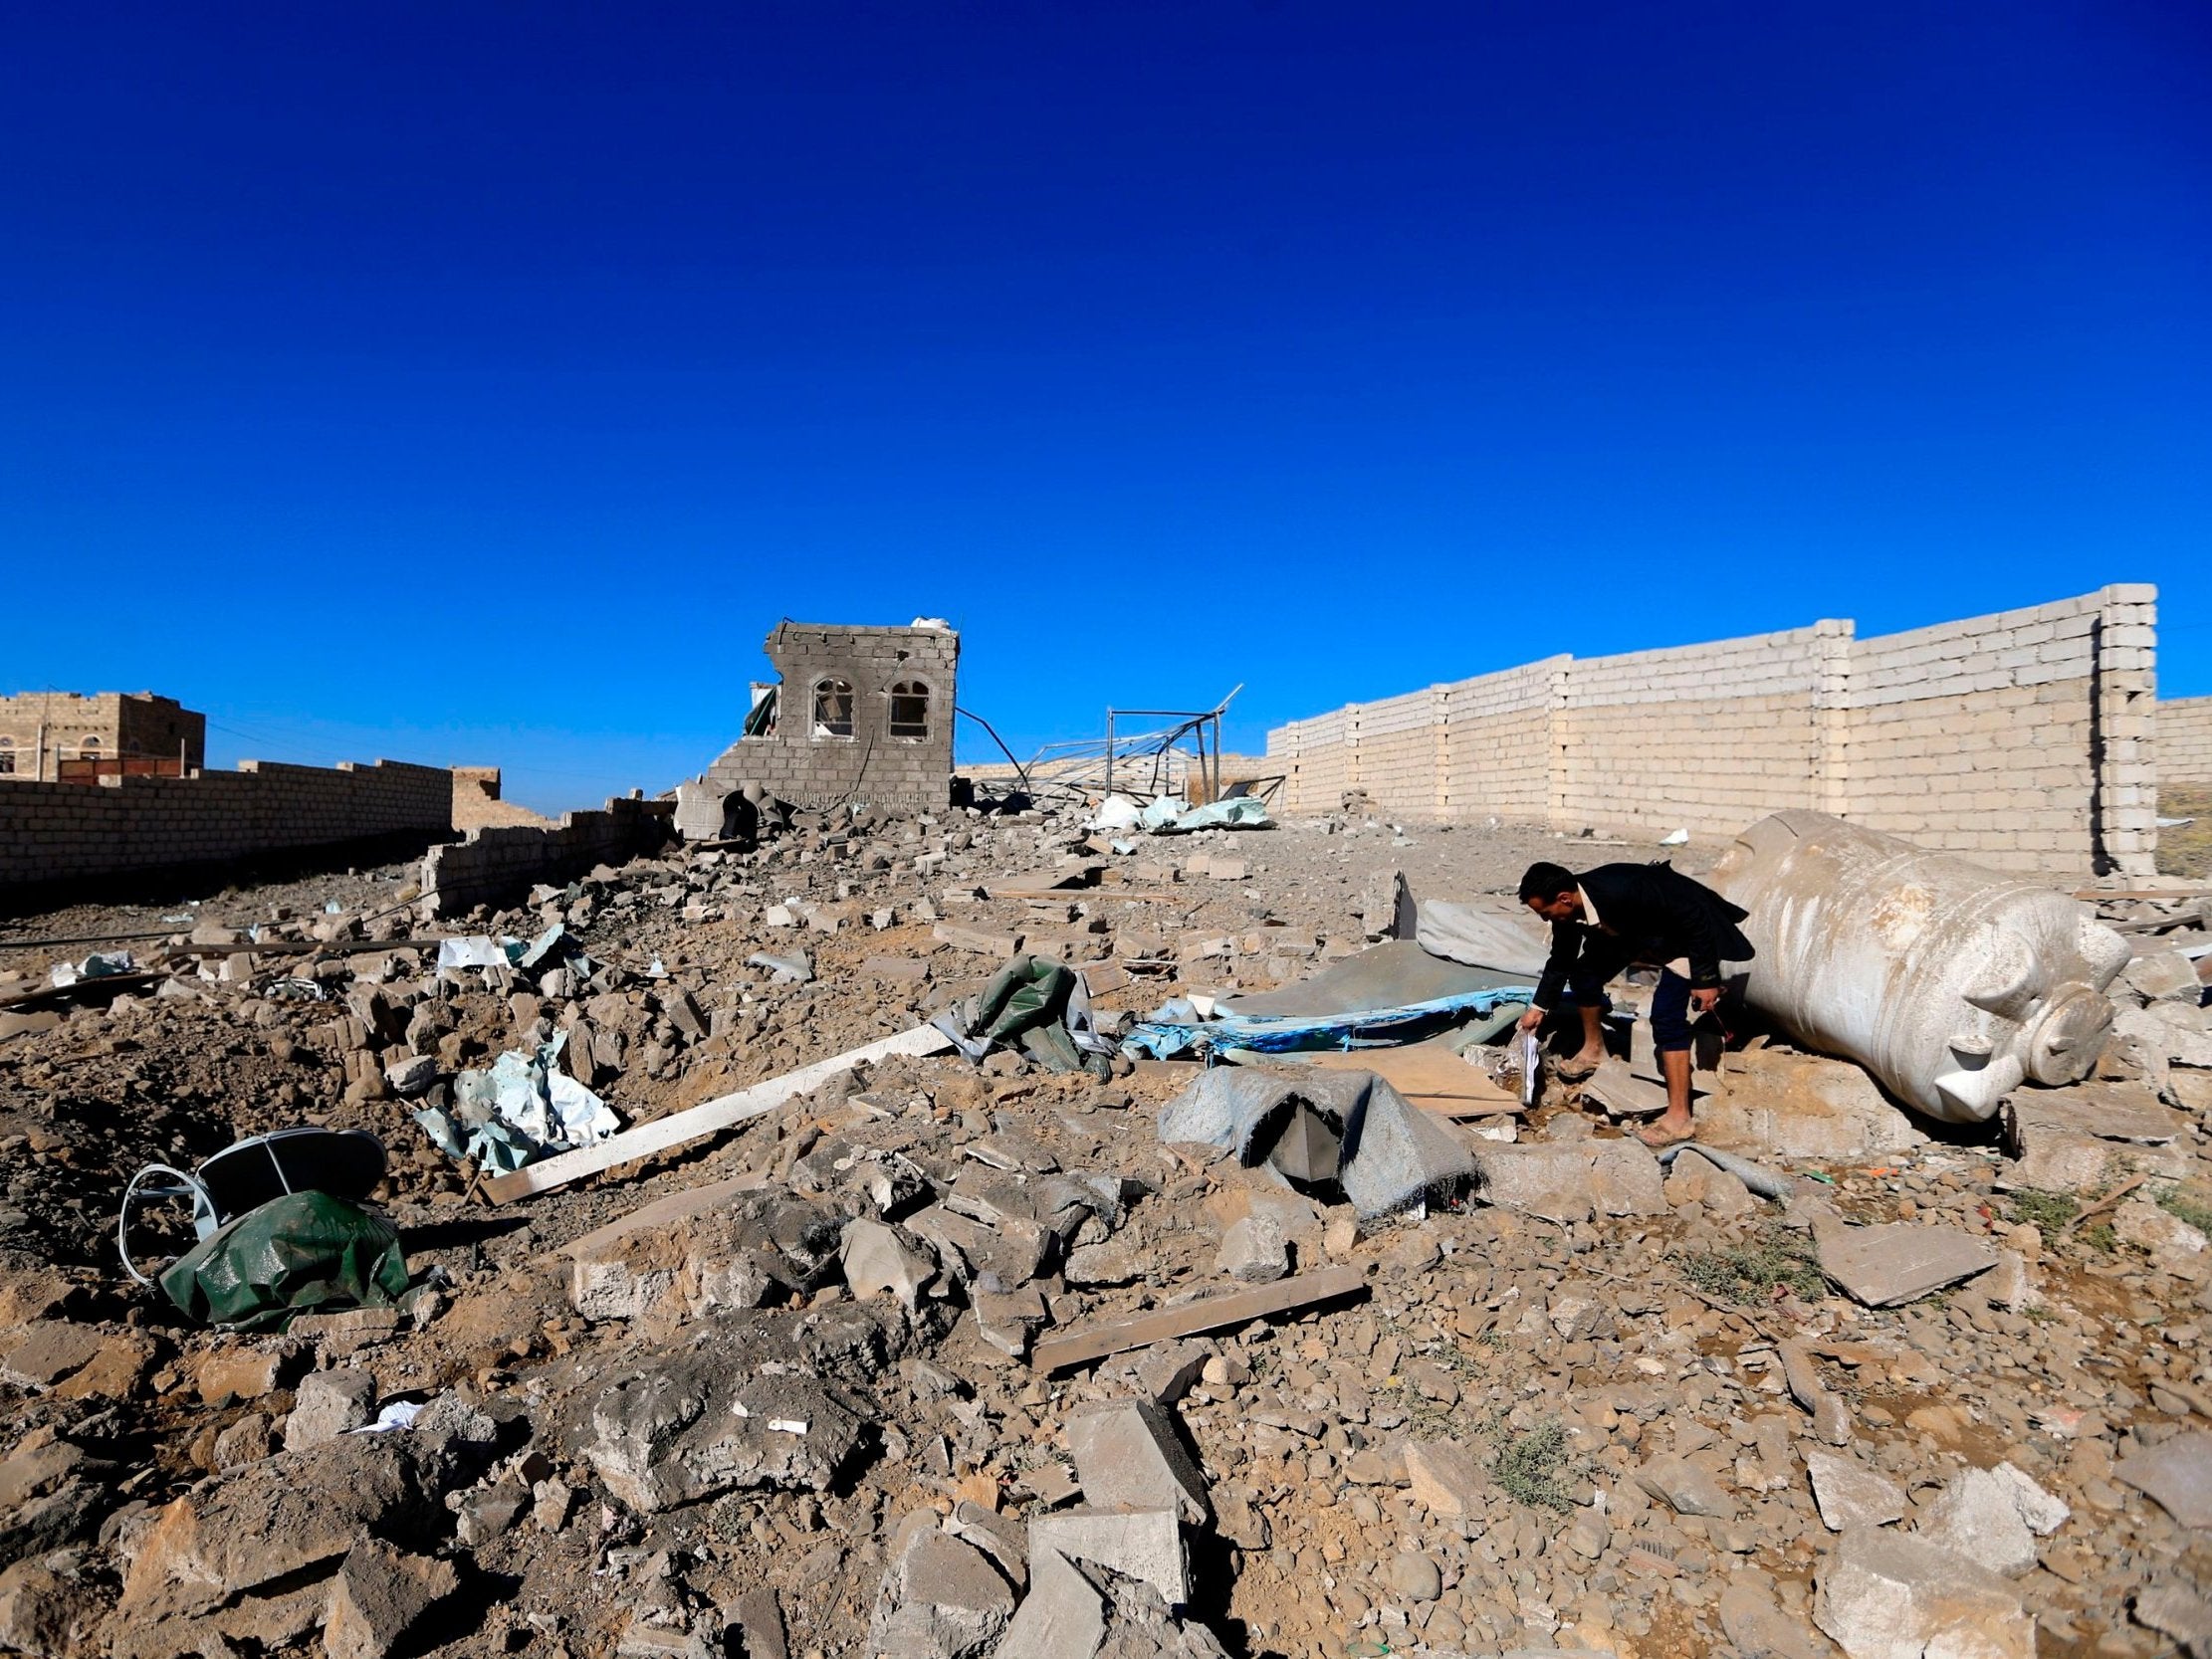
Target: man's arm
{"type": "Point", "coordinates": [1566, 948]}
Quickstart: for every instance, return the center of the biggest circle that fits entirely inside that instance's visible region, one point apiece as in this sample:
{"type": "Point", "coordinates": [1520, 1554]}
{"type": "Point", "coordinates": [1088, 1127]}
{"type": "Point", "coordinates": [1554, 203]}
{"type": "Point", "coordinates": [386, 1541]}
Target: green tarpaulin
{"type": "Point", "coordinates": [302, 1252]}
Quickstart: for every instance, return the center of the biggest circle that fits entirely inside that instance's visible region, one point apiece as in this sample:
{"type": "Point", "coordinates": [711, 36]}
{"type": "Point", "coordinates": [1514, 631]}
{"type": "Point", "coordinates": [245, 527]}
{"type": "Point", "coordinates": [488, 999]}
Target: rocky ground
{"type": "Point", "coordinates": [1584, 1404]}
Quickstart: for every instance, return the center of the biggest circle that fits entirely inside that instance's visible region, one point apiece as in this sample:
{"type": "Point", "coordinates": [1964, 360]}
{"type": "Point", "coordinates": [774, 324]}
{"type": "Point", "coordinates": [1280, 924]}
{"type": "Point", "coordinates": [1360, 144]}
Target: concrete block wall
{"type": "Point", "coordinates": [66, 833]}
{"type": "Point", "coordinates": [497, 864]}
{"type": "Point", "coordinates": [2185, 742]}
{"type": "Point", "coordinates": [2024, 739]}
{"type": "Point", "coordinates": [871, 766]}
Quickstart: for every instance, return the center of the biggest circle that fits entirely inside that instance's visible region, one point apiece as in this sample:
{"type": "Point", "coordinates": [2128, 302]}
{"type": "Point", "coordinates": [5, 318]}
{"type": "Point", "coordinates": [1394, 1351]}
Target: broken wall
{"type": "Point", "coordinates": [497, 864]}
{"type": "Point", "coordinates": [57, 834]}
{"type": "Point", "coordinates": [2022, 739]}
{"type": "Point", "coordinates": [2185, 742]}
{"type": "Point", "coordinates": [873, 766]}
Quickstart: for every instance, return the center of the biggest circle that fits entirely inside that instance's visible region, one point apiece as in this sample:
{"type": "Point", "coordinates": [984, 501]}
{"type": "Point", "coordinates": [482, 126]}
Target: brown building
{"type": "Point", "coordinates": [70, 737]}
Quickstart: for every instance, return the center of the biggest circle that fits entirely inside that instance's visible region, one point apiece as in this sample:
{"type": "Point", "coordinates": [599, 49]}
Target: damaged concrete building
{"type": "Point", "coordinates": [862, 715]}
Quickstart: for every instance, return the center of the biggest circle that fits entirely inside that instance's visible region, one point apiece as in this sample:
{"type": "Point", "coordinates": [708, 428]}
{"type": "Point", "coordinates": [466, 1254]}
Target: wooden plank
{"type": "Point", "coordinates": [2096, 893]}
{"type": "Point", "coordinates": [665, 1212]}
{"type": "Point", "coordinates": [1189, 1319]}
{"type": "Point", "coordinates": [1431, 1078]}
{"type": "Point", "coordinates": [708, 1117]}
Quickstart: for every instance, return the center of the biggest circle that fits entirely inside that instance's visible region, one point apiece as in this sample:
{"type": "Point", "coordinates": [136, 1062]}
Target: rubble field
{"type": "Point", "coordinates": [786, 1389]}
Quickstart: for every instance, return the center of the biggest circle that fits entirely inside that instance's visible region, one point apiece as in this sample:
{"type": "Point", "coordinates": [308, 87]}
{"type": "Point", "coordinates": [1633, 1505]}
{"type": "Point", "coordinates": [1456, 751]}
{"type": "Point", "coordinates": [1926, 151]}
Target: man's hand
{"type": "Point", "coordinates": [1707, 1000]}
{"type": "Point", "coordinates": [1531, 1020]}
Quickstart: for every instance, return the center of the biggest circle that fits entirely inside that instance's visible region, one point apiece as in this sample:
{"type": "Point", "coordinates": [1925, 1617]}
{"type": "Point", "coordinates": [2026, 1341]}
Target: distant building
{"type": "Point", "coordinates": [72, 738]}
{"type": "Point", "coordinates": [862, 715]}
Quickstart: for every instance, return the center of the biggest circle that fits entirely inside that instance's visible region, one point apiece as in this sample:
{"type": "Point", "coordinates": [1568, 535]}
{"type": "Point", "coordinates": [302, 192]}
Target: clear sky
{"type": "Point", "coordinates": [480, 382]}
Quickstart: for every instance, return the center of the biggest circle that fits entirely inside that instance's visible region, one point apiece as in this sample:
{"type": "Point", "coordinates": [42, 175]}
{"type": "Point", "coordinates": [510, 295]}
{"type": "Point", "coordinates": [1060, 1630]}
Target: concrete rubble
{"type": "Point", "coordinates": [789, 1389]}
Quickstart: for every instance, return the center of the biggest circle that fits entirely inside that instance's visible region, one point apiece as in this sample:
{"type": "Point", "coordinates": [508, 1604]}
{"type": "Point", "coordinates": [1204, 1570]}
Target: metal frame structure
{"type": "Point", "coordinates": [1150, 753]}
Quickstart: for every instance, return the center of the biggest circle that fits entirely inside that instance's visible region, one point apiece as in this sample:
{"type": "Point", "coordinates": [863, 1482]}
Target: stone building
{"type": "Point", "coordinates": [69, 737]}
{"type": "Point", "coordinates": [862, 715]}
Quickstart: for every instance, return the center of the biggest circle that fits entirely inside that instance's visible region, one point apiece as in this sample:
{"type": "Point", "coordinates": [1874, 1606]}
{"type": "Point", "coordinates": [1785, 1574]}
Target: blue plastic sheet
{"type": "Point", "coordinates": [1169, 1033]}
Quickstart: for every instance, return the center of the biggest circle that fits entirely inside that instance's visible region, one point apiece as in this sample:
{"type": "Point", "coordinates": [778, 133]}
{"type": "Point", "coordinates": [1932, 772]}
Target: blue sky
{"type": "Point", "coordinates": [473, 382]}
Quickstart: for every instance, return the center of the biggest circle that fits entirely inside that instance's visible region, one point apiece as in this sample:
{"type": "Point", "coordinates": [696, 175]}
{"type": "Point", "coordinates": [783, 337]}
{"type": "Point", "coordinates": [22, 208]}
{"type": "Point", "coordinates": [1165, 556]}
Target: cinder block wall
{"type": "Point", "coordinates": [498, 864]}
{"type": "Point", "coordinates": [2186, 742]}
{"type": "Point", "coordinates": [2024, 738]}
{"type": "Point", "coordinates": [872, 767]}
{"type": "Point", "coordinates": [67, 832]}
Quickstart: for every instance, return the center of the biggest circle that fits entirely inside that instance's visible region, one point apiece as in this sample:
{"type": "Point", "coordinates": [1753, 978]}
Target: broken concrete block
{"type": "Point", "coordinates": [1884, 1594]}
{"type": "Point", "coordinates": [2177, 1474]}
{"type": "Point", "coordinates": [903, 969]}
{"type": "Point", "coordinates": [1977, 1515]}
{"type": "Point", "coordinates": [940, 1599]}
{"type": "Point", "coordinates": [1447, 1478]}
{"type": "Point", "coordinates": [328, 1405]}
{"type": "Point", "coordinates": [2171, 1611]}
{"type": "Point", "coordinates": [276, 1520]}
{"type": "Point", "coordinates": [377, 1597]}
{"type": "Point", "coordinates": [1552, 1182]}
{"type": "Point", "coordinates": [1884, 1266]}
{"type": "Point", "coordinates": [1849, 1494]}
{"type": "Point", "coordinates": [694, 1420]}
{"type": "Point", "coordinates": [1624, 1178]}
{"type": "Point", "coordinates": [1011, 1320]}
{"type": "Point", "coordinates": [877, 1260]}
{"type": "Point", "coordinates": [1062, 1617]}
{"type": "Point", "coordinates": [2163, 976]}
{"type": "Point", "coordinates": [1138, 1544]}
{"type": "Point", "coordinates": [1779, 1103]}
{"type": "Point", "coordinates": [1128, 1456]}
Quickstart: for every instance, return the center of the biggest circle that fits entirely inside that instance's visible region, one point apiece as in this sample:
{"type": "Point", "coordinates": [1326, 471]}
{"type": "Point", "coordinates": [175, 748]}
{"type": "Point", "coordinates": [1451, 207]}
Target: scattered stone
{"type": "Point", "coordinates": [2177, 1474]}
{"type": "Point", "coordinates": [328, 1405]}
{"type": "Point", "coordinates": [1849, 1494]}
{"type": "Point", "coordinates": [1977, 1515]}
{"type": "Point", "coordinates": [1686, 1488]}
{"type": "Point", "coordinates": [1447, 1478]}
{"type": "Point", "coordinates": [379, 1594]}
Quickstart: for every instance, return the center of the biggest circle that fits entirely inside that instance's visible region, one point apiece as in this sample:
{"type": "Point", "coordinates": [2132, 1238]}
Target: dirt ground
{"type": "Point", "coordinates": [1558, 1413]}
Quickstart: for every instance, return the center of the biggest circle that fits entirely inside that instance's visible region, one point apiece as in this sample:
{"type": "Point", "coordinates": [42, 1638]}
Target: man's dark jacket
{"type": "Point", "coordinates": [1650, 913]}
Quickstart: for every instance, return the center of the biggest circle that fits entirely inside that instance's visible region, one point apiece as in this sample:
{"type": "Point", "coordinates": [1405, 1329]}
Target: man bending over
{"type": "Point", "coordinates": [1621, 914]}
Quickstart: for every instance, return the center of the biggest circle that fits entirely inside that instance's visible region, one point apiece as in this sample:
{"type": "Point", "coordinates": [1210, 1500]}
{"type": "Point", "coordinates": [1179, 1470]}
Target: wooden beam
{"type": "Point", "coordinates": [709, 1118]}
{"type": "Point", "coordinates": [1189, 1319]}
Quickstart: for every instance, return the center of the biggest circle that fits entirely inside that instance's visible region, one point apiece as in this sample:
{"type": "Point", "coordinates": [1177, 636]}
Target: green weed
{"type": "Point", "coordinates": [1750, 1274]}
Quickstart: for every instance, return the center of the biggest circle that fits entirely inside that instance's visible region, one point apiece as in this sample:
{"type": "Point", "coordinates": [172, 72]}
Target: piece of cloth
{"type": "Point", "coordinates": [1652, 914]}
{"type": "Point", "coordinates": [304, 1251]}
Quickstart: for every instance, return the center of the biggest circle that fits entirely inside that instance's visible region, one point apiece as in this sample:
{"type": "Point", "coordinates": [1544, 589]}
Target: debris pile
{"type": "Point", "coordinates": [1046, 1349]}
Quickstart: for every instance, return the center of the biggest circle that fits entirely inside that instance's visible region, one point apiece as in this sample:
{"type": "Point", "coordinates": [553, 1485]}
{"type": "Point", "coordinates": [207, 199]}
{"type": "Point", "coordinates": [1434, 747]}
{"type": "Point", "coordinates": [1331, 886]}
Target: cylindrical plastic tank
{"type": "Point", "coordinates": [1953, 984]}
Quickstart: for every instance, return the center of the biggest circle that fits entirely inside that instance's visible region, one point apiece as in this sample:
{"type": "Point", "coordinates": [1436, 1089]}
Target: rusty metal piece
{"type": "Point", "coordinates": [1951, 983]}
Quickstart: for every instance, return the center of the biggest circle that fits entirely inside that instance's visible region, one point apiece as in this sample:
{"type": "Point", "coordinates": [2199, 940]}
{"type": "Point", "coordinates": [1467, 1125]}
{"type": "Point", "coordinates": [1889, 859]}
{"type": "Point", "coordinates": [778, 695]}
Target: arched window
{"type": "Point", "coordinates": [910, 710]}
{"type": "Point", "coordinates": [7, 756]}
{"type": "Point", "coordinates": [88, 746]}
{"type": "Point", "coordinates": [834, 707]}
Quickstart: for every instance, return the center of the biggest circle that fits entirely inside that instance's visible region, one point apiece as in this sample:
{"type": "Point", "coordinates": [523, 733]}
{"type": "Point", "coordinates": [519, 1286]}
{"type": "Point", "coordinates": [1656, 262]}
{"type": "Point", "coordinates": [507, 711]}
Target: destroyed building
{"type": "Point", "coordinates": [74, 738]}
{"type": "Point", "coordinates": [862, 715]}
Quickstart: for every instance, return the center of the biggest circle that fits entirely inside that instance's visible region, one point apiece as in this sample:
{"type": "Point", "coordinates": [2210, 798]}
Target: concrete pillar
{"type": "Point", "coordinates": [2124, 797]}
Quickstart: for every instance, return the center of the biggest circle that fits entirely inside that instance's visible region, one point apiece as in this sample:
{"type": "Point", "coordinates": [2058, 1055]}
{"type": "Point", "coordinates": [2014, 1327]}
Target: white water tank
{"type": "Point", "coordinates": [1953, 984]}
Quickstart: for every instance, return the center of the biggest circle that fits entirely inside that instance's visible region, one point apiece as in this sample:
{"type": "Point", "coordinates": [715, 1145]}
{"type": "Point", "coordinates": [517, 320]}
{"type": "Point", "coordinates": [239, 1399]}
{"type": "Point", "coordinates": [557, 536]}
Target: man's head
{"type": "Point", "coordinates": [1550, 890]}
